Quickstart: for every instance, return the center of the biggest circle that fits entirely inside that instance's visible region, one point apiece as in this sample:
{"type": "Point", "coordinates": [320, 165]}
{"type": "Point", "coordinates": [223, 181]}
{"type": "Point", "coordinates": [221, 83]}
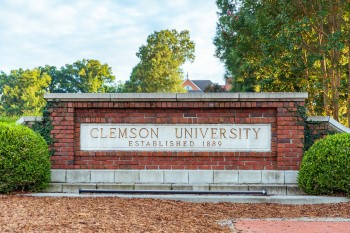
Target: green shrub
{"type": "Point", "coordinates": [8, 119]}
{"type": "Point", "coordinates": [325, 168]}
{"type": "Point", "coordinates": [24, 159]}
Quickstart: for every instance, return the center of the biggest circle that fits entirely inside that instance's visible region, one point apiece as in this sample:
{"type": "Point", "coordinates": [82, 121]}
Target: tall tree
{"type": "Point", "coordinates": [81, 77]}
{"type": "Point", "coordinates": [160, 61]}
{"type": "Point", "coordinates": [23, 91]}
{"type": "Point", "coordinates": [284, 45]}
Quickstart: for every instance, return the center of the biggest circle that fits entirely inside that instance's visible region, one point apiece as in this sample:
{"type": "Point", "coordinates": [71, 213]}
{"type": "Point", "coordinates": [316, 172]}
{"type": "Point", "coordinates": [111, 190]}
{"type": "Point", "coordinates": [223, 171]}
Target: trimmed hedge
{"type": "Point", "coordinates": [325, 167]}
{"type": "Point", "coordinates": [24, 159]}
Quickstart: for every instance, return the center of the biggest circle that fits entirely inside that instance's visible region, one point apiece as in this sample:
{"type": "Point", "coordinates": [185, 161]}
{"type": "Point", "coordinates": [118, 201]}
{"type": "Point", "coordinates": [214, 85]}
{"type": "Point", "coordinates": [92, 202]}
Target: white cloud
{"type": "Point", "coordinates": [59, 32]}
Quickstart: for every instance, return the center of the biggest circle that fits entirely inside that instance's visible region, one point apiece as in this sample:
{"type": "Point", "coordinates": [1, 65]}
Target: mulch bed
{"type": "Point", "coordinates": [112, 214]}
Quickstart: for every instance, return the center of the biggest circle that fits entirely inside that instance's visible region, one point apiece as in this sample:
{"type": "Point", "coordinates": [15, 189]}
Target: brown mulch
{"type": "Point", "coordinates": [112, 214]}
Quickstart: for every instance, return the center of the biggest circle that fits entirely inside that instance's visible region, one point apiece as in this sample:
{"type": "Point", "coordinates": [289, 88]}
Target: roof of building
{"type": "Point", "coordinates": [202, 84]}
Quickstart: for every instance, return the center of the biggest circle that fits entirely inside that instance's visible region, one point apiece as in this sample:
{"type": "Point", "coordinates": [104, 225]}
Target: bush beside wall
{"type": "Point", "coordinates": [325, 167]}
{"type": "Point", "coordinates": [24, 159]}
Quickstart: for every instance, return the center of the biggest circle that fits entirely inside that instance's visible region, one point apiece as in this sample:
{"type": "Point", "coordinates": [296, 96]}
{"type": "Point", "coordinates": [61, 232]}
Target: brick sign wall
{"type": "Point", "coordinates": [177, 131]}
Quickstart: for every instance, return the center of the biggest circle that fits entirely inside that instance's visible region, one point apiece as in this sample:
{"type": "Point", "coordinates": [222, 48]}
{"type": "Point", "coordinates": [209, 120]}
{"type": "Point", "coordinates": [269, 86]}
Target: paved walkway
{"type": "Point", "coordinates": [298, 225]}
{"type": "Point", "coordinates": [297, 200]}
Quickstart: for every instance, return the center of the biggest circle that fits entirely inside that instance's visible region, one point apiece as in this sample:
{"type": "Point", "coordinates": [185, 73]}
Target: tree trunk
{"type": "Point", "coordinates": [325, 74]}
{"type": "Point", "coordinates": [325, 80]}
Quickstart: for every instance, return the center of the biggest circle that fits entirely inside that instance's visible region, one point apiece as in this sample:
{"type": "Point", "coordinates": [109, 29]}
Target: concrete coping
{"type": "Point", "coordinates": [177, 97]}
{"type": "Point", "coordinates": [25, 119]}
{"type": "Point", "coordinates": [333, 123]}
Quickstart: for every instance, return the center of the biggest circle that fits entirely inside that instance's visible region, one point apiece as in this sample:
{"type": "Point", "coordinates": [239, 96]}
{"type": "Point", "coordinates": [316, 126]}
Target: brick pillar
{"type": "Point", "coordinates": [62, 115]}
{"type": "Point", "coordinates": [290, 134]}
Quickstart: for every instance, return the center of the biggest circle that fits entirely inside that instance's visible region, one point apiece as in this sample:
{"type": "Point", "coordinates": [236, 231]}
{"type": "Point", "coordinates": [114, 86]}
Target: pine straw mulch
{"type": "Point", "coordinates": [112, 214]}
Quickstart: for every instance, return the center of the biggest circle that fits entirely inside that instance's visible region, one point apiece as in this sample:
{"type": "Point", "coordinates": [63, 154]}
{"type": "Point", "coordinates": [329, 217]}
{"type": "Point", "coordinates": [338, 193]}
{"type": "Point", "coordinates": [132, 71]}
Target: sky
{"type": "Point", "coordinates": [58, 32]}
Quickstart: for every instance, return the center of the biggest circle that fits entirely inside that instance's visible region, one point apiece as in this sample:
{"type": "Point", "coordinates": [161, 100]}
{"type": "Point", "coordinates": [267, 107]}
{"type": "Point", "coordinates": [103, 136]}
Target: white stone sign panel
{"type": "Point", "coordinates": [175, 137]}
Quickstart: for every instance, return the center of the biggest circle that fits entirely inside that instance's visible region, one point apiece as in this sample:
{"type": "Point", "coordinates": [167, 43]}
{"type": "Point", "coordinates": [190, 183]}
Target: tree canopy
{"type": "Point", "coordinates": [23, 91]}
{"type": "Point", "coordinates": [284, 45]}
{"type": "Point", "coordinates": [86, 76]}
{"type": "Point", "coordinates": [160, 61]}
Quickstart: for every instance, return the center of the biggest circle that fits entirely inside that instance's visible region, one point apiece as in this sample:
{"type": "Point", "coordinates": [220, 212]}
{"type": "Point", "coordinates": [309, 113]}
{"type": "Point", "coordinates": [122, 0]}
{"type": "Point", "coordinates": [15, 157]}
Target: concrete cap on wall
{"type": "Point", "coordinates": [25, 119]}
{"type": "Point", "coordinates": [333, 123]}
{"type": "Point", "coordinates": [180, 97]}
{"type": "Point", "coordinates": [67, 97]}
{"type": "Point", "coordinates": [143, 96]}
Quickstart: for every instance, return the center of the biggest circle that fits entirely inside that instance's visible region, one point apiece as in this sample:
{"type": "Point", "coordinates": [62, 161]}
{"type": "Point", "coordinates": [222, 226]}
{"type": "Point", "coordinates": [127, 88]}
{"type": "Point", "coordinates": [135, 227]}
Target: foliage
{"type": "Point", "coordinates": [24, 159]}
{"type": "Point", "coordinates": [23, 91]}
{"type": "Point", "coordinates": [215, 87]}
{"type": "Point", "coordinates": [86, 76]}
{"type": "Point", "coordinates": [313, 130]}
{"type": "Point", "coordinates": [8, 119]}
{"type": "Point", "coordinates": [160, 62]}
{"type": "Point", "coordinates": [44, 127]}
{"type": "Point", "coordinates": [289, 46]}
{"type": "Point", "coordinates": [325, 168]}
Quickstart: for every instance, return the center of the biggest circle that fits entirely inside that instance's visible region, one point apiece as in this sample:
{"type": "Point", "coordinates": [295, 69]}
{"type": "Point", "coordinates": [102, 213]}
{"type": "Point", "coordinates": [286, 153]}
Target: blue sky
{"type": "Point", "coordinates": [59, 32]}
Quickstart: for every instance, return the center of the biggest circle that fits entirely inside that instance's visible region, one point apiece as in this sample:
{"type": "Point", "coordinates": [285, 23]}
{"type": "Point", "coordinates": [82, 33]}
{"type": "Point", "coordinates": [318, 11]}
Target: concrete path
{"type": "Point", "coordinates": [298, 200]}
{"type": "Point", "coordinates": [298, 225]}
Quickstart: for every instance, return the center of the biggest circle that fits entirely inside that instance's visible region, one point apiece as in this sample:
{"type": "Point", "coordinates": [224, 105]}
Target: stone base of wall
{"type": "Point", "coordinates": [275, 182]}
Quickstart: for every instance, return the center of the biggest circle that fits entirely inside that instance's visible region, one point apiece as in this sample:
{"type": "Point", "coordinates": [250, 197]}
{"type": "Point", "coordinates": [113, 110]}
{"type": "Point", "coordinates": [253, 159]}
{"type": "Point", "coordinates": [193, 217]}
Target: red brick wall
{"type": "Point", "coordinates": [286, 145]}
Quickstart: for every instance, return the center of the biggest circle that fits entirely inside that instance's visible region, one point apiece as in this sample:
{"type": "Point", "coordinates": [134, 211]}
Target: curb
{"type": "Point", "coordinates": [288, 200]}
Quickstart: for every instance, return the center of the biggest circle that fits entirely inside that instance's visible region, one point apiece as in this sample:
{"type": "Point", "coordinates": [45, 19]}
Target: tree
{"type": "Point", "coordinates": [215, 87]}
{"type": "Point", "coordinates": [160, 62]}
{"type": "Point", "coordinates": [84, 76]}
{"type": "Point", "coordinates": [23, 91]}
{"type": "Point", "coordinates": [289, 46]}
